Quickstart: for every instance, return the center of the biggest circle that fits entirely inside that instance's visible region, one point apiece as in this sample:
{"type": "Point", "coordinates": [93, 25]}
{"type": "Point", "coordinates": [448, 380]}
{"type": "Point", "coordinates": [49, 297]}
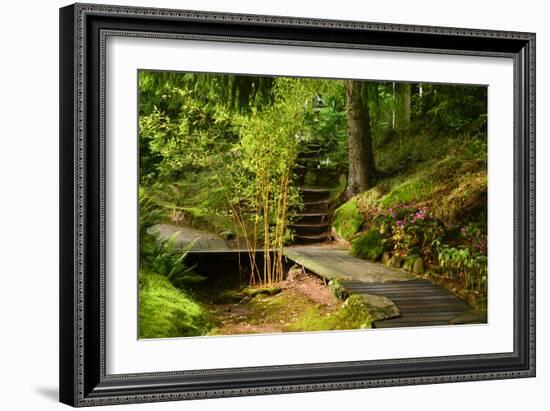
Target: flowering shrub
{"type": "Point", "coordinates": [414, 228]}
{"type": "Point", "coordinates": [476, 237]}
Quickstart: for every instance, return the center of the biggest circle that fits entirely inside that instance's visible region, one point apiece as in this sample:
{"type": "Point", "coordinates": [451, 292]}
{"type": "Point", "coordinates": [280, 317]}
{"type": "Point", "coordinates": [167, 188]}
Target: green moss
{"type": "Point", "coordinates": [165, 311]}
{"type": "Point", "coordinates": [354, 314]}
{"type": "Point", "coordinates": [409, 190]}
{"type": "Point", "coordinates": [347, 220]}
{"type": "Point", "coordinates": [254, 291]}
{"type": "Point", "coordinates": [368, 245]}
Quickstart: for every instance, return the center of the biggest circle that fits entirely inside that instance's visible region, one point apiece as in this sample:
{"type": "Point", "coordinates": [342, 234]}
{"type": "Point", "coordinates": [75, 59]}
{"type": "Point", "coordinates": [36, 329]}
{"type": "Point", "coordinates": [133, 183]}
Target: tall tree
{"type": "Point", "coordinates": [403, 109]}
{"type": "Point", "coordinates": [361, 158]}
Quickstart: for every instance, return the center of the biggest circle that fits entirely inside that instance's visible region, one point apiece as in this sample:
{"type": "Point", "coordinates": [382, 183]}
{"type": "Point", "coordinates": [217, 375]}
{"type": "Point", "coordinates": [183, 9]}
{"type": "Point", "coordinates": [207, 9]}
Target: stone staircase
{"type": "Point", "coordinates": [312, 223]}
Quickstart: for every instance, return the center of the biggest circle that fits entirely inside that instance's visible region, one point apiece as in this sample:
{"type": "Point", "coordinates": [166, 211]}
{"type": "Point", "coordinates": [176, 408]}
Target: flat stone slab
{"type": "Point", "coordinates": [335, 263]}
{"type": "Point", "coordinates": [382, 308]}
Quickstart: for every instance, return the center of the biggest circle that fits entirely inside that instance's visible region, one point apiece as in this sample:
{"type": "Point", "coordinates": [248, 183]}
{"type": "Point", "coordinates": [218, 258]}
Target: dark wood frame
{"type": "Point", "coordinates": [83, 29]}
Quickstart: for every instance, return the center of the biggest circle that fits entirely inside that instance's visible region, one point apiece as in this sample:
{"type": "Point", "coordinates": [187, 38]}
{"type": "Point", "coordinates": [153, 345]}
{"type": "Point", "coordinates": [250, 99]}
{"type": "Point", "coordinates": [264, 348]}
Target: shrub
{"type": "Point", "coordinates": [369, 245]}
{"type": "Point", "coordinates": [347, 220]}
{"type": "Point", "coordinates": [165, 311]}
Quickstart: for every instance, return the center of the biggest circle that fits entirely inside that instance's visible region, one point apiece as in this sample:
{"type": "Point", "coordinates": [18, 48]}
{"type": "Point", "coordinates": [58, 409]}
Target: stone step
{"type": "Point", "coordinates": [311, 238]}
{"type": "Point", "coordinates": [310, 228]}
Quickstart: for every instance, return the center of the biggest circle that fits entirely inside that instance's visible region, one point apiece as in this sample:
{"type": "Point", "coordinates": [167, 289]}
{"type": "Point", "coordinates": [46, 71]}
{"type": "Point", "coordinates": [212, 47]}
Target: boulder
{"type": "Point", "coordinates": [418, 266]}
{"type": "Point", "coordinates": [395, 261]}
{"type": "Point", "coordinates": [409, 262]}
{"type": "Point", "coordinates": [380, 307]}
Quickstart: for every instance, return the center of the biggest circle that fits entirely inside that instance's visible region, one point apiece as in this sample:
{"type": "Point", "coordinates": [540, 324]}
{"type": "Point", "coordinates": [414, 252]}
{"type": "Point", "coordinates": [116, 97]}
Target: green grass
{"type": "Point", "coordinates": [347, 220]}
{"type": "Point", "coordinates": [166, 311]}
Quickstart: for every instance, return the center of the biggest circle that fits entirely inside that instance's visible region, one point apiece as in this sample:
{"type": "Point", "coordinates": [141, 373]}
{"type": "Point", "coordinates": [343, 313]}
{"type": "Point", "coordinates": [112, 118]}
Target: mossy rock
{"type": "Point", "coordinates": [369, 245]}
{"type": "Point", "coordinates": [356, 311]}
{"type": "Point", "coordinates": [347, 220]}
{"type": "Point", "coordinates": [255, 291]}
{"type": "Point", "coordinates": [380, 307]}
{"type": "Point", "coordinates": [418, 266]}
{"type": "Point", "coordinates": [395, 261]}
{"type": "Point", "coordinates": [409, 261]}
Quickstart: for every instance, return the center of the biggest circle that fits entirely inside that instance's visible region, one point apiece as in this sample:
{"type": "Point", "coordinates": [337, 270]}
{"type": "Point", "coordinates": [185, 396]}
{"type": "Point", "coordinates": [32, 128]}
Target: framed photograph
{"type": "Point", "coordinates": [262, 204]}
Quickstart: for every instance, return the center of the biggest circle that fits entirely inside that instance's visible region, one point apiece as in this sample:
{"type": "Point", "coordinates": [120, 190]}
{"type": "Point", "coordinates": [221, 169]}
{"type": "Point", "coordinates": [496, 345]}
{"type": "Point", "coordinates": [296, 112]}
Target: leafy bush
{"type": "Point", "coordinates": [415, 229]}
{"type": "Point", "coordinates": [161, 256]}
{"type": "Point", "coordinates": [165, 311]}
{"type": "Point", "coordinates": [347, 220]}
{"type": "Point", "coordinates": [463, 264]}
{"type": "Point", "coordinates": [370, 245]}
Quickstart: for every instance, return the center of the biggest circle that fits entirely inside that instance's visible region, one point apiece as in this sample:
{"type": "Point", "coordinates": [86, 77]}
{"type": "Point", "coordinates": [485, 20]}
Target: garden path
{"type": "Point", "coordinates": [420, 302]}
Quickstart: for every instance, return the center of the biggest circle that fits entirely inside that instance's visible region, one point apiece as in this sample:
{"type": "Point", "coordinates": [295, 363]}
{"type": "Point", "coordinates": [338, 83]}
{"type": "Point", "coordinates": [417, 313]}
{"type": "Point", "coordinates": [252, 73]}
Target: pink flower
{"type": "Point", "coordinates": [420, 215]}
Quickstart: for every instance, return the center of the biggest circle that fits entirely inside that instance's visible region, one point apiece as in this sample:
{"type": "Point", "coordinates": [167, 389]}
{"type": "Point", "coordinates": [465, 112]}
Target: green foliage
{"type": "Point", "coordinates": [165, 311]}
{"type": "Point", "coordinates": [461, 263]}
{"type": "Point", "coordinates": [337, 289]}
{"type": "Point", "coordinates": [451, 109]}
{"type": "Point", "coordinates": [259, 183]}
{"type": "Point", "coordinates": [369, 245]}
{"type": "Point", "coordinates": [347, 220]}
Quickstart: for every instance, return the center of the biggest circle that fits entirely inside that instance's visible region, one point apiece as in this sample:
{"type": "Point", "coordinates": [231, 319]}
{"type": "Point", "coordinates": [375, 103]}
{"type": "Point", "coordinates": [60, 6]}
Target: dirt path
{"type": "Point", "coordinates": [300, 293]}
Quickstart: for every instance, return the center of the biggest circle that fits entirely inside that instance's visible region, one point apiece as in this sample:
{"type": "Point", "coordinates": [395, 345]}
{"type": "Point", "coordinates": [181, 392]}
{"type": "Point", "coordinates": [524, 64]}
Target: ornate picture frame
{"type": "Point", "coordinates": [84, 30]}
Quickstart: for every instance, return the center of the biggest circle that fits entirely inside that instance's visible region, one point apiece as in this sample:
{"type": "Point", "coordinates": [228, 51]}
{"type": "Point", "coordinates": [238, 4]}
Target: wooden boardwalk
{"type": "Point", "coordinates": [190, 237]}
{"type": "Point", "coordinates": [420, 302]}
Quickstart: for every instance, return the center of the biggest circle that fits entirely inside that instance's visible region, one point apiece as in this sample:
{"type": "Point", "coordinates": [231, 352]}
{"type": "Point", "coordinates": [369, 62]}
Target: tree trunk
{"type": "Point", "coordinates": [361, 158]}
{"type": "Point", "coordinates": [403, 112]}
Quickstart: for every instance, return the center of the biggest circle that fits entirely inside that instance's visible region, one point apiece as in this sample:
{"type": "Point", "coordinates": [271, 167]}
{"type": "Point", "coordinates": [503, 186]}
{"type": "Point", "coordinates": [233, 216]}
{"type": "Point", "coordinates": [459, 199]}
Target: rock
{"type": "Point", "coordinates": [418, 266]}
{"type": "Point", "coordinates": [408, 264]}
{"type": "Point", "coordinates": [380, 307]}
{"type": "Point", "coordinates": [395, 261]}
{"type": "Point", "coordinates": [227, 235]}
{"type": "Point", "coordinates": [386, 257]}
